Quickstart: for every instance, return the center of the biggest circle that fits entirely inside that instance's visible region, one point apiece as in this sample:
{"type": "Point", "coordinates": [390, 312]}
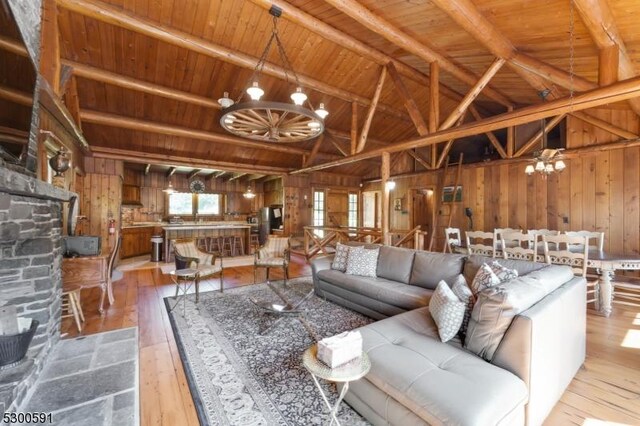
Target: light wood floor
{"type": "Point", "coordinates": [607, 388]}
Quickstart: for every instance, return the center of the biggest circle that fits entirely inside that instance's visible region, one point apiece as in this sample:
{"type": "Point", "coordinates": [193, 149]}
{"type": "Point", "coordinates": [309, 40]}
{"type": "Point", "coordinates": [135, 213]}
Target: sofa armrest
{"type": "Point", "coordinates": [546, 345]}
{"type": "Point", "coordinates": [318, 264]}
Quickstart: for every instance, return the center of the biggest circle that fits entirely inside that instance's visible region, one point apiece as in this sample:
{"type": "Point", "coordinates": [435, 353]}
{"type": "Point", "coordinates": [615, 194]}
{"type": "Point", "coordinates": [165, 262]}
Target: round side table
{"type": "Point", "coordinates": [346, 373]}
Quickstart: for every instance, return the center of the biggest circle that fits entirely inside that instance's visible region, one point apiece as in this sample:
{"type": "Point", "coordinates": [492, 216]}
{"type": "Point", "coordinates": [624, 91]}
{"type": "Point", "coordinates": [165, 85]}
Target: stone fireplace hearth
{"type": "Point", "coordinates": [31, 226]}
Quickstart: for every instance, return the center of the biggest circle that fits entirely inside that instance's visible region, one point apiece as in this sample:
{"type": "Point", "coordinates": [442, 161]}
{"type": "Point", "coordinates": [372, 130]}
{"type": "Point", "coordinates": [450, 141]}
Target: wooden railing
{"type": "Point", "coordinates": [322, 239]}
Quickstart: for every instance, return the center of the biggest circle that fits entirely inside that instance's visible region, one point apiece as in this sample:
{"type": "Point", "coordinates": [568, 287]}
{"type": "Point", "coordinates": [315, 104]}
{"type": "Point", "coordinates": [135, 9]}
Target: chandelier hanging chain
{"type": "Point", "coordinates": [283, 54]}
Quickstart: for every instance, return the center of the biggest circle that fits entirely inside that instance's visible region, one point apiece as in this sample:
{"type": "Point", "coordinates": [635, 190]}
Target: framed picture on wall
{"type": "Point", "coordinates": [448, 195]}
{"type": "Point", "coordinates": [397, 204]}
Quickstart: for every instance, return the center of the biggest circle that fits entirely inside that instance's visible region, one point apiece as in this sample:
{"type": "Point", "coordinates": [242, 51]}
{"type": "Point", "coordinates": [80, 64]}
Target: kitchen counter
{"type": "Point", "coordinates": [206, 230]}
{"type": "Point", "coordinates": [144, 225]}
{"type": "Point", "coordinates": [180, 227]}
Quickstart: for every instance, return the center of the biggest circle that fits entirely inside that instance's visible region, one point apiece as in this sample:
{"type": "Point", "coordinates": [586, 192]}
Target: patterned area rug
{"type": "Point", "coordinates": [239, 377]}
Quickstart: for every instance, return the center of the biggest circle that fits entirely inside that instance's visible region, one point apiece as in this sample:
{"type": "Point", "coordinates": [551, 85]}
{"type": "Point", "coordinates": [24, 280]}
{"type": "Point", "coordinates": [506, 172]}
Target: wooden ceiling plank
{"type": "Point", "coordinates": [492, 138]}
{"type": "Point", "coordinates": [399, 38]}
{"type": "Point", "coordinates": [605, 125]}
{"type": "Point", "coordinates": [105, 13]}
{"type": "Point", "coordinates": [538, 136]}
{"type": "Point", "coordinates": [419, 159]}
{"type": "Point", "coordinates": [407, 99]}
{"type": "Point", "coordinates": [599, 20]}
{"type": "Point", "coordinates": [362, 141]}
{"type": "Point", "coordinates": [314, 151]}
{"type": "Point", "coordinates": [620, 91]}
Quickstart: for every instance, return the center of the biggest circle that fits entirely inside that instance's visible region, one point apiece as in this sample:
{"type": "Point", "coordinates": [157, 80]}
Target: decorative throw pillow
{"type": "Point", "coordinates": [447, 311]}
{"type": "Point", "coordinates": [485, 278]}
{"type": "Point", "coordinates": [340, 258]}
{"type": "Point", "coordinates": [503, 273]}
{"type": "Point", "coordinates": [462, 290]}
{"type": "Point", "coordinates": [363, 262]}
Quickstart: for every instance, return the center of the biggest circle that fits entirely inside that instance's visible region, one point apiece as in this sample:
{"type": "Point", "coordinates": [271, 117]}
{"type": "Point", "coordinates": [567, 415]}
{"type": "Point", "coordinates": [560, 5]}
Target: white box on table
{"type": "Point", "coordinates": [340, 349]}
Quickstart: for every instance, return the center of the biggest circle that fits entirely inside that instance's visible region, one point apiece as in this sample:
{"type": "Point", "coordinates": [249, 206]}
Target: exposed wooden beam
{"type": "Point", "coordinates": [175, 160]}
{"type": "Point", "coordinates": [354, 128]}
{"type": "Point", "coordinates": [210, 176]}
{"type": "Point", "coordinates": [511, 138]}
{"type": "Point", "coordinates": [449, 144]}
{"type": "Point", "coordinates": [608, 65]}
{"type": "Point", "coordinates": [314, 151]}
{"type": "Point", "coordinates": [220, 174]}
{"type": "Point", "coordinates": [15, 136]}
{"type": "Point", "coordinates": [419, 159]}
{"type": "Point", "coordinates": [620, 91]}
{"type": "Point", "coordinates": [385, 172]}
{"type": "Point", "coordinates": [371, 111]}
{"type": "Point", "coordinates": [600, 22]}
{"type": "Point", "coordinates": [399, 38]}
{"type": "Point", "coordinates": [170, 172]}
{"type": "Point", "coordinates": [147, 169]}
{"type": "Point", "coordinates": [50, 45]}
{"type": "Point", "coordinates": [113, 120]}
{"type": "Point", "coordinates": [236, 176]}
{"type": "Point", "coordinates": [255, 176]}
{"type": "Point", "coordinates": [434, 108]}
{"type": "Point", "coordinates": [492, 138]}
{"type": "Point", "coordinates": [472, 94]}
{"type": "Point", "coordinates": [108, 14]}
{"type": "Point", "coordinates": [15, 96]}
{"type": "Point", "coordinates": [409, 103]}
{"type": "Point", "coordinates": [66, 72]}
{"type": "Point", "coordinates": [72, 101]}
{"type": "Point", "coordinates": [193, 173]}
{"type": "Point", "coordinates": [605, 125]}
{"type": "Point", "coordinates": [538, 136]}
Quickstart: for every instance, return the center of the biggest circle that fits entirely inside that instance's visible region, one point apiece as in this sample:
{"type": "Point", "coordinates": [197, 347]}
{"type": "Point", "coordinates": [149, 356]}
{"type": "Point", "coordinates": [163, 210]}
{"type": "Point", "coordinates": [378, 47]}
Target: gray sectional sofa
{"type": "Point", "coordinates": [511, 377]}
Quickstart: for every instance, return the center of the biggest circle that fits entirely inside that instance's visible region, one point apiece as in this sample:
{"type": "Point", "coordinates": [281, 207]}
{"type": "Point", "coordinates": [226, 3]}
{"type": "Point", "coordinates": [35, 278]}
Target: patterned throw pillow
{"type": "Point", "coordinates": [504, 274]}
{"type": "Point", "coordinates": [447, 311]}
{"type": "Point", "coordinates": [362, 262]}
{"type": "Point", "coordinates": [485, 278]}
{"type": "Point", "coordinates": [461, 289]}
{"type": "Point", "coordinates": [340, 259]}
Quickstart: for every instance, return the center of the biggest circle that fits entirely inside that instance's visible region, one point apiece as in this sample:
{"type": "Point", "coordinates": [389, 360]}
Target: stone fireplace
{"type": "Point", "coordinates": [30, 274]}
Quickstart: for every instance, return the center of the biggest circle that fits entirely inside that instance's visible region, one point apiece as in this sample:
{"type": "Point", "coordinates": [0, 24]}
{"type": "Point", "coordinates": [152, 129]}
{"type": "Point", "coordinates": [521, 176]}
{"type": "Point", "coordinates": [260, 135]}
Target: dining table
{"type": "Point", "coordinates": [606, 264]}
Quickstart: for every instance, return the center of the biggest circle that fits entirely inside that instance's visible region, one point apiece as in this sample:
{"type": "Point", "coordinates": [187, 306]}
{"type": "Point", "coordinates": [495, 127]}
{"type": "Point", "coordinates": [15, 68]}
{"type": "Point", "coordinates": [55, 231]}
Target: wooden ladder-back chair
{"type": "Point", "coordinates": [452, 238]}
{"type": "Point", "coordinates": [475, 247]}
{"type": "Point", "coordinates": [187, 255]}
{"type": "Point", "coordinates": [564, 254]}
{"type": "Point", "coordinates": [275, 253]}
{"type": "Point", "coordinates": [597, 237]}
{"type": "Point", "coordinates": [519, 246]}
{"type": "Point", "coordinates": [538, 233]}
{"type": "Point", "coordinates": [113, 258]}
{"type": "Point", "coordinates": [497, 237]}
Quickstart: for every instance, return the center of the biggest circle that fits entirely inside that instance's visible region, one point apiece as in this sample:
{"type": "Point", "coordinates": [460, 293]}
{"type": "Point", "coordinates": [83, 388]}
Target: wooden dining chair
{"type": "Point", "coordinates": [497, 237]}
{"type": "Point", "coordinates": [476, 243]}
{"type": "Point", "coordinates": [538, 233]}
{"type": "Point", "coordinates": [563, 255]}
{"type": "Point", "coordinates": [519, 246]}
{"type": "Point", "coordinates": [452, 239]}
{"type": "Point", "coordinates": [596, 237]}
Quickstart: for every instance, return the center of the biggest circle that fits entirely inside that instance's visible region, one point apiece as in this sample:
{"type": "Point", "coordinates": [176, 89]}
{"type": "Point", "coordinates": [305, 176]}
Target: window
{"type": "Point", "coordinates": [180, 203]}
{"type": "Point", "coordinates": [318, 211]}
{"type": "Point", "coordinates": [352, 220]}
{"type": "Point", "coordinates": [209, 204]}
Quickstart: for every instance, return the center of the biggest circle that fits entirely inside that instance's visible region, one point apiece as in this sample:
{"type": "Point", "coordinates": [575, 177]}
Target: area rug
{"type": "Point", "coordinates": [239, 377]}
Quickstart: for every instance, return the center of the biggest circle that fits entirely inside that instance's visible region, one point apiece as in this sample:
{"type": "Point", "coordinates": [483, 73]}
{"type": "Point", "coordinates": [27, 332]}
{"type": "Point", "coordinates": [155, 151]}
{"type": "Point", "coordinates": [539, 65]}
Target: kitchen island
{"type": "Point", "coordinates": [211, 229]}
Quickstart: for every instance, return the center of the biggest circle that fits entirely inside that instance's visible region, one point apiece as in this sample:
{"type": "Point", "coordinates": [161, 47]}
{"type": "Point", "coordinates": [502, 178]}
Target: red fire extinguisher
{"type": "Point", "coordinates": [112, 226]}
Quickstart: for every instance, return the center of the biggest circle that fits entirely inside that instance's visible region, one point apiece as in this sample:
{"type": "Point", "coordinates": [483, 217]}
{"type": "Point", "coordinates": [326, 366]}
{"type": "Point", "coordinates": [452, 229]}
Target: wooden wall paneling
{"type": "Point", "coordinates": [576, 189]}
{"type": "Point", "coordinates": [631, 220]}
{"type": "Point", "coordinates": [589, 192]}
{"type": "Point", "coordinates": [616, 200]}
{"type": "Point", "coordinates": [531, 202]}
{"type": "Point", "coordinates": [563, 196]}
{"type": "Point", "coordinates": [602, 187]}
{"type": "Point", "coordinates": [478, 217]}
{"type": "Point", "coordinates": [503, 196]}
{"type": "Point", "coordinates": [511, 181]}
{"type": "Point", "coordinates": [521, 194]}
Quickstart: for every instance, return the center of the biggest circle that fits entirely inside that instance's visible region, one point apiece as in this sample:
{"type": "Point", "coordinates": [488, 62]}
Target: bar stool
{"type": "Point", "coordinates": [71, 305]}
{"type": "Point", "coordinates": [227, 245]}
{"type": "Point", "coordinates": [238, 246]}
{"type": "Point", "coordinates": [254, 243]}
{"type": "Point", "coordinates": [202, 243]}
{"type": "Point", "coordinates": [215, 244]}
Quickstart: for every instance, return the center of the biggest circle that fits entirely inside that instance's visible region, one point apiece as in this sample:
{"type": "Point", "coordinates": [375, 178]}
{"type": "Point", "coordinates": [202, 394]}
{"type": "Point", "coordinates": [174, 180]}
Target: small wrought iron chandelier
{"type": "Point", "coordinates": [249, 193]}
{"type": "Point", "coordinates": [267, 120]}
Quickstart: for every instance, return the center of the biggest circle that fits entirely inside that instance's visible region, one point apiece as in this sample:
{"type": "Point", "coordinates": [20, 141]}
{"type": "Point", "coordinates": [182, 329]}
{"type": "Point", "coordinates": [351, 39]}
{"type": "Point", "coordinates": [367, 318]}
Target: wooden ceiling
{"type": "Point", "coordinates": [538, 29]}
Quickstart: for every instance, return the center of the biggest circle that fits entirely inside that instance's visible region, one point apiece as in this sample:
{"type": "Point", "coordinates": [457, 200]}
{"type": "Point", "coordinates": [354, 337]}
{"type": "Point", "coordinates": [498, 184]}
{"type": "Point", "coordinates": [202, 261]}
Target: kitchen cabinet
{"type": "Point", "coordinates": [131, 195]}
{"type": "Point", "coordinates": [237, 203]}
{"type": "Point", "coordinates": [136, 241]}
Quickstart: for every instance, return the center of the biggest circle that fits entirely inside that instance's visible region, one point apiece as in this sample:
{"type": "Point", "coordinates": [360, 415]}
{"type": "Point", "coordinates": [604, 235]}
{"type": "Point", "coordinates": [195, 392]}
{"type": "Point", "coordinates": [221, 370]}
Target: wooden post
{"type": "Point", "coordinates": [354, 127]}
{"type": "Point", "coordinates": [50, 45]}
{"type": "Point", "coordinates": [434, 107]}
{"type": "Point", "coordinates": [511, 138]}
{"type": "Point", "coordinates": [385, 173]}
{"type": "Point", "coordinates": [372, 110]}
{"type": "Point", "coordinates": [608, 60]}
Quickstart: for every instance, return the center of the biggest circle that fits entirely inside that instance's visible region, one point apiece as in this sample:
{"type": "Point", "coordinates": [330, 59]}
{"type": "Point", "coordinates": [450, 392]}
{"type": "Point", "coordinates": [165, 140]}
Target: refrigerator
{"type": "Point", "coordinates": [269, 218]}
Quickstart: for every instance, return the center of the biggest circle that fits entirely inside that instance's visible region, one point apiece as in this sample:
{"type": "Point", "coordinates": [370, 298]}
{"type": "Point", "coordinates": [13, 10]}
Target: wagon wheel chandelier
{"type": "Point", "coordinates": [272, 121]}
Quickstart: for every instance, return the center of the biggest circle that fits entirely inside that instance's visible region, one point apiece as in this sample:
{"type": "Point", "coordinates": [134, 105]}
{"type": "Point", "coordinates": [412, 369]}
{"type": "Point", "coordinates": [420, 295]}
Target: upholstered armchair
{"type": "Point", "coordinates": [275, 253]}
{"type": "Point", "coordinates": [187, 255]}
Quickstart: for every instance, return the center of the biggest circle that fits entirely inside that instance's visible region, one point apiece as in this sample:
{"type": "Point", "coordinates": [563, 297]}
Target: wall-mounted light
{"type": "Point", "coordinates": [390, 185]}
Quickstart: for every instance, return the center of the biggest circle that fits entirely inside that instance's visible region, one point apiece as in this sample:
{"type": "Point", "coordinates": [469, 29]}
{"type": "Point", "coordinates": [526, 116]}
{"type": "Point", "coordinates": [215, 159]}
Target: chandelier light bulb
{"type": "Point", "coordinates": [548, 168]}
{"type": "Point", "coordinates": [322, 113]}
{"type": "Point", "coordinates": [225, 101]}
{"type": "Point", "coordinates": [298, 97]}
{"type": "Point", "coordinates": [390, 185]}
{"type": "Point", "coordinates": [229, 119]}
{"type": "Point", "coordinates": [529, 170]}
{"type": "Point", "coordinates": [539, 166]}
{"type": "Point", "coordinates": [313, 125]}
{"type": "Point", "coordinates": [249, 193]}
{"type": "Point", "coordinates": [255, 92]}
{"type": "Point", "coordinates": [560, 166]}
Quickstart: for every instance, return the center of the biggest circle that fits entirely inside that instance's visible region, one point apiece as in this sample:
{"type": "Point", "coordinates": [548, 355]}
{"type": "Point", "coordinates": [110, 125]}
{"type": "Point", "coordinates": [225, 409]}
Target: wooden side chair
{"type": "Point", "coordinates": [538, 233]}
{"type": "Point", "coordinates": [275, 253]}
{"type": "Point", "coordinates": [497, 237]}
{"type": "Point", "coordinates": [187, 255]}
{"type": "Point", "coordinates": [562, 255]}
{"type": "Point", "coordinates": [112, 274]}
{"type": "Point", "coordinates": [597, 237]}
{"type": "Point", "coordinates": [519, 246]}
{"type": "Point", "coordinates": [452, 239]}
{"type": "Point", "coordinates": [476, 243]}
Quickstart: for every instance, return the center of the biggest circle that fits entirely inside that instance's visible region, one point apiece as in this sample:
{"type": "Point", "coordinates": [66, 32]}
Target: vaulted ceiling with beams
{"type": "Point", "coordinates": [149, 72]}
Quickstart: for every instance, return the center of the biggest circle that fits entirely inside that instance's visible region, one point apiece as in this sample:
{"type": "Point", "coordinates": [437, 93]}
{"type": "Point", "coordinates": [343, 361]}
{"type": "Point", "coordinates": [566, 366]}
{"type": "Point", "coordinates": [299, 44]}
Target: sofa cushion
{"type": "Point", "coordinates": [472, 264]}
{"type": "Point", "coordinates": [440, 382]}
{"type": "Point", "coordinates": [461, 289]}
{"type": "Point", "coordinates": [485, 278]}
{"type": "Point", "coordinates": [447, 311]}
{"type": "Point", "coordinates": [362, 262]}
{"type": "Point", "coordinates": [340, 258]}
{"type": "Point", "coordinates": [430, 268]}
{"type": "Point", "coordinates": [395, 263]}
{"type": "Point", "coordinates": [502, 272]}
{"type": "Point", "coordinates": [391, 292]}
{"type": "Point", "coordinates": [496, 307]}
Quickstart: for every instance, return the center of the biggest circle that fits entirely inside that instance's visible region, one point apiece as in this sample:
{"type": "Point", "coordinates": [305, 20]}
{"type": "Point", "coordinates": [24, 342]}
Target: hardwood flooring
{"type": "Point", "coordinates": [605, 391]}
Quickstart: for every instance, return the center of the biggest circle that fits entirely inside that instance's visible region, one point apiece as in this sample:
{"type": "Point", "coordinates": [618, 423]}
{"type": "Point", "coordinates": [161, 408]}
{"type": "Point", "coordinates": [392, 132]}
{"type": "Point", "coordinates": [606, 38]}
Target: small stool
{"type": "Point", "coordinates": [215, 244]}
{"type": "Point", "coordinates": [202, 243]}
{"type": "Point", "coordinates": [254, 242]}
{"type": "Point", "coordinates": [71, 305]}
{"type": "Point", "coordinates": [227, 245]}
{"type": "Point", "coordinates": [238, 246]}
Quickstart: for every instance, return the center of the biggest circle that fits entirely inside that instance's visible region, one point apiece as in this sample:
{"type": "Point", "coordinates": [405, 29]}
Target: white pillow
{"type": "Point", "coordinates": [362, 262]}
{"type": "Point", "coordinates": [461, 289]}
{"type": "Point", "coordinates": [485, 278]}
{"type": "Point", "coordinates": [340, 258]}
{"type": "Point", "coordinates": [503, 273]}
{"type": "Point", "coordinates": [447, 311]}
